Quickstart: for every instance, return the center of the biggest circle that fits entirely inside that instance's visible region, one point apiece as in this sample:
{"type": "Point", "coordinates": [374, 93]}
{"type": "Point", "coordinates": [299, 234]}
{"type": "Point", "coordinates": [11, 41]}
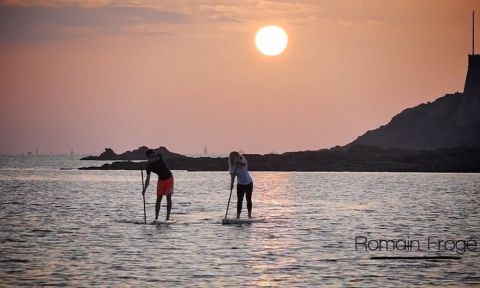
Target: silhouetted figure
{"type": "Point", "coordinates": [237, 165]}
{"type": "Point", "coordinates": [157, 165]}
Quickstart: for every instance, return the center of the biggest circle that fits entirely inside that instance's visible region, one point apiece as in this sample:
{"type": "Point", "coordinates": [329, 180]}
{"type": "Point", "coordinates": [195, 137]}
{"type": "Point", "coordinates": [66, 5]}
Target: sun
{"type": "Point", "coordinates": [271, 40]}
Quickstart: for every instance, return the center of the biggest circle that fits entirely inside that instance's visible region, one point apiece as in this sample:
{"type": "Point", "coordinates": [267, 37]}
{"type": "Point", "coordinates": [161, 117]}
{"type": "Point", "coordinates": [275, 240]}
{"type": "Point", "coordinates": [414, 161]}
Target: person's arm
{"type": "Point", "coordinates": [232, 180]}
{"type": "Point", "coordinates": [232, 174]}
{"type": "Point", "coordinates": [241, 160]}
{"type": "Point", "coordinates": [232, 171]}
{"type": "Point", "coordinates": [147, 181]}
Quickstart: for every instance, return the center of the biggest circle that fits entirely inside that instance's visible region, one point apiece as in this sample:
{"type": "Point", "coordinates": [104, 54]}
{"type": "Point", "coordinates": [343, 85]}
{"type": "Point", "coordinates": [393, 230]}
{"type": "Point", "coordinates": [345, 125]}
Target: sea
{"type": "Point", "coordinates": [60, 226]}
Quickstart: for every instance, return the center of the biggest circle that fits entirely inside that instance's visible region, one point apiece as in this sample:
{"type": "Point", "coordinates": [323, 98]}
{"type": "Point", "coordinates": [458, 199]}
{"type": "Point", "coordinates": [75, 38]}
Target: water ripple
{"type": "Point", "coordinates": [85, 228]}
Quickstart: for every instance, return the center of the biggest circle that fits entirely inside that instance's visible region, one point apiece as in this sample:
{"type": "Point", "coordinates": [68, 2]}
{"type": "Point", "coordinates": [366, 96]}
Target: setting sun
{"type": "Point", "coordinates": [271, 40]}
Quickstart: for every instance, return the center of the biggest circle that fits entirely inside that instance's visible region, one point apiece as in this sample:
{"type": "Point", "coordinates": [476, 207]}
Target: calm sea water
{"type": "Point", "coordinates": [80, 228]}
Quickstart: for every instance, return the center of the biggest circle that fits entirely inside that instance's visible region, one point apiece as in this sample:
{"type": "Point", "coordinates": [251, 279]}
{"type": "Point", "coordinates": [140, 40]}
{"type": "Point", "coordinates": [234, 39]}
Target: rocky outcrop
{"type": "Point", "coordinates": [450, 121]}
{"type": "Point", "coordinates": [355, 158]}
{"type": "Point", "coordinates": [137, 154]}
{"type": "Point", "coordinates": [447, 122]}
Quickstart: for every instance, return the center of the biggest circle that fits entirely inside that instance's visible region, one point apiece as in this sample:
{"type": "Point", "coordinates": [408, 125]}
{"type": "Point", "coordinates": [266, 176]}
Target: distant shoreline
{"type": "Point", "coordinates": [357, 158]}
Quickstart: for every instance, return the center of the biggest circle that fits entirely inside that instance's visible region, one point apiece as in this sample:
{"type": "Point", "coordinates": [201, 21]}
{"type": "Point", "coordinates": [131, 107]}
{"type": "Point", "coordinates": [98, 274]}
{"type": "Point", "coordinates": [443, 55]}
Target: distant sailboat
{"type": "Point", "coordinates": [71, 152]}
{"type": "Point", "coordinates": [205, 150]}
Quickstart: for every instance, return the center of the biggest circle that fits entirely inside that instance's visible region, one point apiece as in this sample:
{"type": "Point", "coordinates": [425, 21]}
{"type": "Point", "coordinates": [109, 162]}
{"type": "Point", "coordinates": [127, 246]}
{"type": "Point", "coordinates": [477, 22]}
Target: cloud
{"type": "Point", "coordinates": [32, 21]}
{"type": "Point", "coordinates": [20, 23]}
{"type": "Point", "coordinates": [244, 11]}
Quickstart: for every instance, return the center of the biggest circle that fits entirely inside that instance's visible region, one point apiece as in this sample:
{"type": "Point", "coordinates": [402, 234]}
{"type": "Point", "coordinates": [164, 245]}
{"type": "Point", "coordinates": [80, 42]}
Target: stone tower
{"type": "Point", "coordinates": [472, 82]}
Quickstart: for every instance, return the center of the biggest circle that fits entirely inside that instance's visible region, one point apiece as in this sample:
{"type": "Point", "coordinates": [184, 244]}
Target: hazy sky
{"type": "Point", "coordinates": [183, 74]}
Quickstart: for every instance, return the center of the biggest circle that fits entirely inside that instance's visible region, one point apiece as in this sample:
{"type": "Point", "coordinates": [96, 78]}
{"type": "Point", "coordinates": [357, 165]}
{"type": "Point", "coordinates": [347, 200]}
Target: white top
{"type": "Point", "coordinates": [243, 178]}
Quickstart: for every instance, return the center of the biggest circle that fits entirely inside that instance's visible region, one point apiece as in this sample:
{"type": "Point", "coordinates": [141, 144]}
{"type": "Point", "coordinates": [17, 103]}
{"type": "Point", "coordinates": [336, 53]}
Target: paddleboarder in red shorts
{"type": "Point", "coordinates": [157, 165]}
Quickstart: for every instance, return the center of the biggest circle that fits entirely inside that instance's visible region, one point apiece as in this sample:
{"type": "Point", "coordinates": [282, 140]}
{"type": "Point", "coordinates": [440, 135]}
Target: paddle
{"type": "Point", "coordinates": [231, 189]}
{"type": "Point", "coordinates": [143, 194]}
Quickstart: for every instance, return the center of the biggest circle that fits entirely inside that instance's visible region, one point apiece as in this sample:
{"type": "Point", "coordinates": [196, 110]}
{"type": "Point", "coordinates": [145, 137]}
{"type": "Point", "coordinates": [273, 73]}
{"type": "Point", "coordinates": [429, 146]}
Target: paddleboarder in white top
{"type": "Point", "coordinates": [237, 165]}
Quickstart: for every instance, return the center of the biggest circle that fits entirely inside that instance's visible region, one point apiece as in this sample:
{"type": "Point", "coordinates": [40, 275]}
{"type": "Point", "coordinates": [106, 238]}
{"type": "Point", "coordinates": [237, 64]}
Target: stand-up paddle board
{"type": "Point", "coordinates": [163, 222]}
{"type": "Point", "coordinates": [232, 221]}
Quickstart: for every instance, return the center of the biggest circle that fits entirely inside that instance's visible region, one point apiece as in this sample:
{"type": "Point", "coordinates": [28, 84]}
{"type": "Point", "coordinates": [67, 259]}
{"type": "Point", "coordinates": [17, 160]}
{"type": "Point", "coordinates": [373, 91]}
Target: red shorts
{"type": "Point", "coordinates": [165, 187]}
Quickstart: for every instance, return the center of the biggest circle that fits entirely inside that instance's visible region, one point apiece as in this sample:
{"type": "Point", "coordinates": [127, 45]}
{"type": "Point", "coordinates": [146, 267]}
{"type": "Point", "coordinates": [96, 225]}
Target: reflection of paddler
{"type": "Point", "coordinates": [237, 165]}
{"type": "Point", "coordinates": [157, 165]}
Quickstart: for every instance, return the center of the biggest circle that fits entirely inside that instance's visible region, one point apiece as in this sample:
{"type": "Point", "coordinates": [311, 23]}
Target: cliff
{"type": "Point", "coordinates": [450, 121]}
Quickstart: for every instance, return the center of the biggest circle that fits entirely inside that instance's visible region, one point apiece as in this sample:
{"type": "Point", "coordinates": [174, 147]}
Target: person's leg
{"type": "Point", "coordinates": [248, 195]}
{"type": "Point", "coordinates": [240, 193]}
{"type": "Point", "coordinates": [168, 190]}
{"type": "Point", "coordinates": [169, 206]}
{"type": "Point", "coordinates": [157, 206]}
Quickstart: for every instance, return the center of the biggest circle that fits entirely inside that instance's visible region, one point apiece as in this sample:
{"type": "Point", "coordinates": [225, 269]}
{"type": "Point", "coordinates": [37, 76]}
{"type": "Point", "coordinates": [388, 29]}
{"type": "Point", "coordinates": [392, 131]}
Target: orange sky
{"type": "Point", "coordinates": [185, 74]}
